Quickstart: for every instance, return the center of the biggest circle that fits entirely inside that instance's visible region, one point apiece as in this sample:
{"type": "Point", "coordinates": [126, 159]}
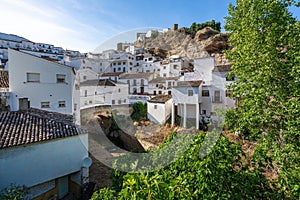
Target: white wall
{"type": "Point", "coordinates": [47, 89]}
{"type": "Point", "coordinates": [161, 114]}
{"type": "Point", "coordinates": [204, 67]}
{"type": "Point", "coordinates": [103, 95]}
{"type": "Point", "coordinates": [33, 164]}
{"type": "Point", "coordinates": [87, 74]}
{"type": "Point", "coordinates": [180, 95]}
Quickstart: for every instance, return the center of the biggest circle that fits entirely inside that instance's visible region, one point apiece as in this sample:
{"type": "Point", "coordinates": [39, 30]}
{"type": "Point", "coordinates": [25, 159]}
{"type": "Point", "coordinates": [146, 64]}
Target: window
{"type": "Point", "coordinates": [204, 112]}
{"type": "Point", "coordinates": [205, 93]}
{"type": "Point", "coordinates": [85, 93]}
{"type": "Point", "coordinates": [119, 90]}
{"type": "Point", "coordinates": [60, 78]}
{"type": "Point", "coordinates": [95, 92]}
{"type": "Point", "coordinates": [124, 63]}
{"type": "Point", "coordinates": [45, 104]}
{"type": "Point", "coordinates": [119, 101]}
{"type": "Point", "coordinates": [175, 66]}
{"type": "Point", "coordinates": [164, 75]}
{"type": "Point", "coordinates": [155, 107]}
{"type": "Point", "coordinates": [90, 102]}
{"type": "Point", "coordinates": [134, 82]}
{"type": "Point", "coordinates": [190, 93]}
{"type": "Point", "coordinates": [114, 64]}
{"type": "Point", "coordinates": [33, 77]}
{"type": "Point", "coordinates": [84, 77]}
{"type": "Point", "coordinates": [124, 100]}
{"type": "Point", "coordinates": [75, 106]}
{"type": "Point", "coordinates": [164, 67]}
{"type": "Point", "coordinates": [119, 63]}
{"type": "Point", "coordinates": [113, 102]}
{"type": "Point", "coordinates": [61, 104]}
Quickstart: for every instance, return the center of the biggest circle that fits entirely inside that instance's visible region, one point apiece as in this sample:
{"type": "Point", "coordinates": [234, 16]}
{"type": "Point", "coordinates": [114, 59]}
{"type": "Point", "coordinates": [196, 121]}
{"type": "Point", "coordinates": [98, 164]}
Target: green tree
{"type": "Point", "coordinates": [265, 59]}
{"type": "Point", "coordinates": [139, 111]}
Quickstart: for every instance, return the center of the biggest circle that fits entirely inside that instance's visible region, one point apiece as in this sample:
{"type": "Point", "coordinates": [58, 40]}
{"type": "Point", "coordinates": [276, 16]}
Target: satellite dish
{"type": "Point", "coordinates": [86, 162]}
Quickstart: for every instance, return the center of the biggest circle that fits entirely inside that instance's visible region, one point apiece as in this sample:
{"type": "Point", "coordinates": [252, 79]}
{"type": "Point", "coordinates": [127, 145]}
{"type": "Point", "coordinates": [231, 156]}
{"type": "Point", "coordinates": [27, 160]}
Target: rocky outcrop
{"type": "Point", "coordinates": [207, 42]}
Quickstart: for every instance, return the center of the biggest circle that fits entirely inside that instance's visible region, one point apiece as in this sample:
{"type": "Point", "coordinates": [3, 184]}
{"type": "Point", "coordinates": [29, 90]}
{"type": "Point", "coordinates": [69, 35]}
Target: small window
{"type": "Point", "coordinates": [205, 93]}
{"type": "Point", "coordinates": [60, 78]}
{"type": "Point", "coordinates": [113, 102]}
{"type": "Point", "coordinates": [85, 93]}
{"type": "Point", "coordinates": [45, 104]}
{"type": "Point", "coordinates": [119, 101]}
{"type": "Point", "coordinates": [164, 75]}
{"type": "Point", "coordinates": [124, 63]}
{"type": "Point", "coordinates": [33, 77]}
{"type": "Point", "coordinates": [119, 90]}
{"type": "Point", "coordinates": [95, 92]}
{"type": "Point", "coordinates": [114, 64]}
{"type": "Point", "coordinates": [90, 102]}
{"type": "Point", "coordinates": [61, 104]}
{"type": "Point", "coordinates": [124, 100]}
{"type": "Point", "coordinates": [155, 107]}
{"type": "Point", "coordinates": [75, 106]}
{"type": "Point", "coordinates": [164, 67]}
{"type": "Point", "coordinates": [204, 112]}
{"type": "Point", "coordinates": [175, 66]}
{"type": "Point", "coordinates": [190, 93]}
{"type": "Point", "coordinates": [84, 77]}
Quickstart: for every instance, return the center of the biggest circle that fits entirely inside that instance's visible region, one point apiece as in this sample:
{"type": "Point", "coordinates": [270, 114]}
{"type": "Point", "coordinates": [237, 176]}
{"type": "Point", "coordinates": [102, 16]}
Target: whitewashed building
{"type": "Point", "coordinates": [186, 102]}
{"type": "Point", "coordinates": [220, 94]}
{"type": "Point", "coordinates": [103, 92]}
{"type": "Point", "coordinates": [138, 83]}
{"type": "Point", "coordinates": [159, 108]}
{"type": "Point", "coordinates": [162, 85]}
{"type": "Point", "coordinates": [44, 152]}
{"type": "Point", "coordinates": [45, 84]}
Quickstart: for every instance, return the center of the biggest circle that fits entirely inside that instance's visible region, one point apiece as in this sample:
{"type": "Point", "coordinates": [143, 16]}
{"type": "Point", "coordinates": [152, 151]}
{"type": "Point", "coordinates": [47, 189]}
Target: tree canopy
{"type": "Point", "coordinates": [265, 59]}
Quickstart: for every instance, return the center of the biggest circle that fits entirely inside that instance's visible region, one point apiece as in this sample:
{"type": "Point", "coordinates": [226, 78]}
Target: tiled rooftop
{"type": "Point", "coordinates": [187, 84]}
{"type": "Point", "coordinates": [163, 79]}
{"type": "Point", "coordinates": [111, 74]}
{"type": "Point", "coordinates": [102, 82]}
{"type": "Point", "coordinates": [222, 68]}
{"type": "Point", "coordinates": [138, 75]}
{"type": "Point", "coordinates": [160, 99]}
{"type": "Point", "coordinates": [32, 126]}
{"type": "Point", "coordinates": [4, 79]}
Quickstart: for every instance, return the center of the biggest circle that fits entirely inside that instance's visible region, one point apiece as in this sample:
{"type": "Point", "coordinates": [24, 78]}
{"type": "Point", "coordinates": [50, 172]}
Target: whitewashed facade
{"type": "Point", "coordinates": [103, 92]}
{"type": "Point", "coordinates": [159, 108]}
{"type": "Point", "coordinates": [47, 85]}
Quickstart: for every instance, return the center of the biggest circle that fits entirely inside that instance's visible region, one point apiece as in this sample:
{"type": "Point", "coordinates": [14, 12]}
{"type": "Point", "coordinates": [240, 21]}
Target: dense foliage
{"type": "Point", "coordinates": [265, 59]}
{"type": "Point", "coordinates": [212, 24]}
{"type": "Point", "coordinates": [139, 111]}
{"type": "Point", "coordinates": [219, 175]}
{"type": "Point", "coordinates": [14, 192]}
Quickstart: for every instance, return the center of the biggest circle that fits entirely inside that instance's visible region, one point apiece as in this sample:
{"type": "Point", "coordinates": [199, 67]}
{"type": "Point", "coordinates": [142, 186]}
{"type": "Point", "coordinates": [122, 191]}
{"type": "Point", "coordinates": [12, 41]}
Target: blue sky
{"type": "Point", "coordinates": [87, 24]}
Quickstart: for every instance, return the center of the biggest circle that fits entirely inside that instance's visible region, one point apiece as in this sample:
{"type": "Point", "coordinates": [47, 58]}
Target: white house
{"type": "Point", "coordinates": [87, 74]}
{"type": "Point", "coordinates": [138, 83]}
{"type": "Point", "coordinates": [220, 94]}
{"type": "Point", "coordinates": [103, 92]}
{"type": "Point", "coordinates": [159, 108]}
{"type": "Point", "coordinates": [186, 101]}
{"type": "Point", "coordinates": [47, 85]}
{"type": "Point", "coordinates": [203, 68]}
{"type": "Point", "coordinates": [44, 152]}
{"type": "Point", "coordinates": [162, 85]}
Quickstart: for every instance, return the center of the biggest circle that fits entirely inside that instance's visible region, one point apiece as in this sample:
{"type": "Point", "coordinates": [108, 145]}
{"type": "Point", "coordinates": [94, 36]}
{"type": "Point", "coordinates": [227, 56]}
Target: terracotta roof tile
{"type": "Point", "coordinates": [4, 79]}
{"type": "Point", "coordinates": [160, 99]}
{"type": "Point", "coordinates": [32, 126]}
{"type": "Point", "coordinates": [186, 84]}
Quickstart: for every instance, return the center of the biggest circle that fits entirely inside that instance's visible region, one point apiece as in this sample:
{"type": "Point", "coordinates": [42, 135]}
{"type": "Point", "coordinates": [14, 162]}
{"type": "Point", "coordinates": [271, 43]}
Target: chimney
{"type": "Point", "coordinates": [24, 104]}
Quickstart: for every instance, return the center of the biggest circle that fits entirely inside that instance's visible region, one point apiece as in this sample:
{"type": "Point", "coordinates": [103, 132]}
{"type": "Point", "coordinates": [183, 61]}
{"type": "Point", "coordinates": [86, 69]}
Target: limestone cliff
{"type": "Point", "coordinates": [207, 42]}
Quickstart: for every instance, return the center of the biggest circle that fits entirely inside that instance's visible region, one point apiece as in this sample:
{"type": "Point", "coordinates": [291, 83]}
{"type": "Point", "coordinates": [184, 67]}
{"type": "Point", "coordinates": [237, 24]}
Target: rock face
{"type": "Point", "coordinates": [207, 42]}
